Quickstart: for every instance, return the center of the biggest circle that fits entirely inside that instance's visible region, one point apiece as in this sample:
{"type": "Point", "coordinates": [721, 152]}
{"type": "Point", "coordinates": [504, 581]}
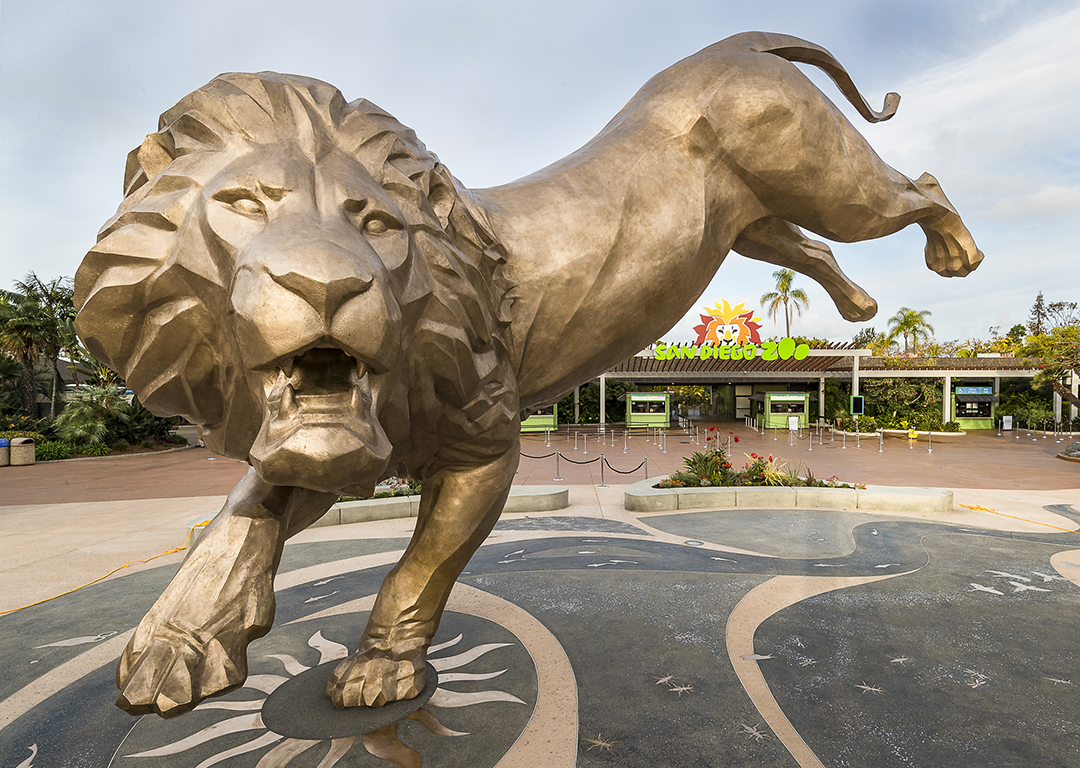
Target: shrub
{"type": "Point", "coordinates": [54, 450]}
{"type": "Point", "coordinates": [92, 449]}
{"type": "Point", "coordinates": [120, 445]}
{"type": "Point", "coordinates": [11, 434]}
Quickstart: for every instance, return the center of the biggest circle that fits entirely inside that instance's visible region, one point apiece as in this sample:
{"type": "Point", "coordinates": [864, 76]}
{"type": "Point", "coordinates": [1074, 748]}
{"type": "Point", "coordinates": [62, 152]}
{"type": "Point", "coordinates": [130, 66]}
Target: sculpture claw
{"type": "Point", "coordinates": [950, 248]}
{"type": "Point", "coordinates": [175, 672]}
{"type": "Point", "coordinates": [375, 678]}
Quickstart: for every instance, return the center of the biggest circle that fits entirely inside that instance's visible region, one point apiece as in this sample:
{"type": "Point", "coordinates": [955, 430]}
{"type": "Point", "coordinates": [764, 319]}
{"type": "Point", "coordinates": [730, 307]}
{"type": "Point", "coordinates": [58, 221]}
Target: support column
{"type": "Point", "coordinates": [1074, 387]}
{"type": "Point", "coordinates": [821, 399]}
{"type": "Point", "coordinates": [854, 375]}
{"type": "Point", "coordinates": [946, 398]}
{"type": "Point", "coordinates": [577, 405]}
{"type": "Point", "coordinates": [1057, 406]}
{"type": "Point", "coordinates": [603, 401]}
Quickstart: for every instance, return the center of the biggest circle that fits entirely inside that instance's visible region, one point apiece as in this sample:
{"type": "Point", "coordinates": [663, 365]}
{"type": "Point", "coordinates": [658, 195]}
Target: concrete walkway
{"type": "Point", "coordinates": [787, 638]}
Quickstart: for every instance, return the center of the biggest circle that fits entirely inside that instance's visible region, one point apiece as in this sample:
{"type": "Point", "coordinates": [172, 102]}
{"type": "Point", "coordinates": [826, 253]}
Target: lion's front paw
{"type": "Point", "coordinates": [173, 672]}
{"type": "Point", "coordinates": [374, 678]}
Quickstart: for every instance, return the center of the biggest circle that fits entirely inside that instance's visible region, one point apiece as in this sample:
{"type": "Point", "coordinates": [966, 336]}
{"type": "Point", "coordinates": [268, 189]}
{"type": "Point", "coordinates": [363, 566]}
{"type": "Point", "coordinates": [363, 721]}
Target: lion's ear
{"type": "Point", "coordinates": [150, 159]}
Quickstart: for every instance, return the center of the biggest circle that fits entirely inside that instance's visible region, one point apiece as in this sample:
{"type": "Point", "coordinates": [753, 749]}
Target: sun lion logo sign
{"type": "Point", "coordinates": [731, 333]}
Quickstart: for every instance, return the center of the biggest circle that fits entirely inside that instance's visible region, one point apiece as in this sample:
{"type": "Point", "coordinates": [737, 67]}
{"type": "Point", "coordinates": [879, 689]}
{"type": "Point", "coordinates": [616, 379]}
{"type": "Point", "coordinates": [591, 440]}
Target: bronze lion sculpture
{"type": "Point", "coordinates": [302, 278]}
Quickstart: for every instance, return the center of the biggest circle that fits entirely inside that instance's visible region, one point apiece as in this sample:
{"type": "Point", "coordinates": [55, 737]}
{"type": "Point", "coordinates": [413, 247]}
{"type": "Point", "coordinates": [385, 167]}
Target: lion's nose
{"type": "Point", "coordinates": [325, 293]}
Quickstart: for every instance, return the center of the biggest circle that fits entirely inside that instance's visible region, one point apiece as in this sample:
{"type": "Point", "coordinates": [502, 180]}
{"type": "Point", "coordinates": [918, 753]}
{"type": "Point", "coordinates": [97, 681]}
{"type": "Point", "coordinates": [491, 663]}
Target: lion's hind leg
{"type": "Point", "coordinates": [192, 644]}
{"type": "Point", "coordinates": [458, 509]}
{"type": "Point", "coordinates": [781, 243]}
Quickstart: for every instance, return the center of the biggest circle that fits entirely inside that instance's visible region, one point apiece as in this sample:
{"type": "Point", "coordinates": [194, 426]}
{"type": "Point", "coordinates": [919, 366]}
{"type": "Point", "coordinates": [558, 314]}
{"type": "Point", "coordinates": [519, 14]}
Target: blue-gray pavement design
{"type": "Point", "coordinates": [966, 658]}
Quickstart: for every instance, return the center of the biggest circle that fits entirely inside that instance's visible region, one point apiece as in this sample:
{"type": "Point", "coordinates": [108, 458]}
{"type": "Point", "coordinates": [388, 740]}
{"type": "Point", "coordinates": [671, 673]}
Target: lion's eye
{"type": "Point", "coordinates": [379, 223]}
{"type": "Point", "coordinates": [247, 206]}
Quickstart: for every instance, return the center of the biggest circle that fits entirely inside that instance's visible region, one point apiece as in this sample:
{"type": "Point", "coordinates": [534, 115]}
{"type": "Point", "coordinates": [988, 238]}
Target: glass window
{"type": "Point", "coordinates": [646, 406]}
{"type": "Point", "coordinates": [973, 410]}
{"type": "Point", "coordinates": [787, 408]}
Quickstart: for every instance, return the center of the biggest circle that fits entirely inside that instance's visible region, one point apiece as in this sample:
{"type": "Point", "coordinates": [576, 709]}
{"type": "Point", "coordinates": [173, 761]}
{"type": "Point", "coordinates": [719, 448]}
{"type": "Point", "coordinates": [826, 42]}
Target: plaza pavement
{"type": "Point", "coordinates": [63, 524]}
{"type": "Point", "coordinates": [799, 638]}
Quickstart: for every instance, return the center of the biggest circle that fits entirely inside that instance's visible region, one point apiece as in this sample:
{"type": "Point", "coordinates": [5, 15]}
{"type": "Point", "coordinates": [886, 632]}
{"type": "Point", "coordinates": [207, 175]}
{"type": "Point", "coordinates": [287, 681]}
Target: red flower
{"type": "Point", "coordinates": [753, 455]}
{"type": "Point", "coordinates": [736, 439]}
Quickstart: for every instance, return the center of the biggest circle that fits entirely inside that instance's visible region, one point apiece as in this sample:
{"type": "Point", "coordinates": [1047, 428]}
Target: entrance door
{"type": "Point", "coordinates": [742, 400]}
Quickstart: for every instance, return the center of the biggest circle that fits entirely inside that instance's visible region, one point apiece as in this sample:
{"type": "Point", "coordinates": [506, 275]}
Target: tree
{"type": "Point", "coordinates": [785, 296]}
{"type": "Point", "coordinates": [1060, 314]}
{"type": "Point", "coordinates": [24, 334]}
{"type": "Point", "coordinates": [912, 326]}
{"type": "Point", "coordinates": [1037, 317]}
{"type": "Point", "coordinates": [56, 298]}
{"type": "Point", "coordinates": [865, 337]}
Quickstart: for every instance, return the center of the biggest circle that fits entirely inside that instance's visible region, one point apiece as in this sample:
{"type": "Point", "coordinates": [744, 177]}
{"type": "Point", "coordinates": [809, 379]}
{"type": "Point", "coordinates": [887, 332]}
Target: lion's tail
{"type": "Point", "coordinates": [804, 52]}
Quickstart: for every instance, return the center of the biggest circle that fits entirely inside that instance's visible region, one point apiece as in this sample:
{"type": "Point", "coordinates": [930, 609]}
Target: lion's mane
{"type": "Point", "coordinates": [153, 296]}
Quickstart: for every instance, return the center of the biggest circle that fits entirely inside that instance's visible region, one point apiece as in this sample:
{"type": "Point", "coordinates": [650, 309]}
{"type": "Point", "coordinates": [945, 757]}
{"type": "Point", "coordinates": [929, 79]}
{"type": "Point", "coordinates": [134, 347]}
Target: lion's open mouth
{"type": "Point", "coordinates": [319, 428]}
{"type": "Point", "coordinates": [321, 383]}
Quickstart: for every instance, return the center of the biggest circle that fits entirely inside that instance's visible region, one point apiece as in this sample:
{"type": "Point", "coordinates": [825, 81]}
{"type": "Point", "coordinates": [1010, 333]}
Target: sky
{"type": "Point", "coordinates": [501, 89]}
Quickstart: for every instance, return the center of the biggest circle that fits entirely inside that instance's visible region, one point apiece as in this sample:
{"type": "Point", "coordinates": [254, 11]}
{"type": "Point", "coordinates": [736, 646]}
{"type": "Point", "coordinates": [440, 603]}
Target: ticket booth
{"type": "Point", "coordinates": [783, 410]}
{"type": "Point", "coordinates": [647, 409]}
{"type": "Point", "coordinates": [543, 419]}
{"type": "Point", "coordinates": [974, 407]}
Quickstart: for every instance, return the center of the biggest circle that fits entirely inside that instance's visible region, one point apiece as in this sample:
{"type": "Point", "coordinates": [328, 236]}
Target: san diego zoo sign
{"type": "Point", "coordinates": [731, 333]}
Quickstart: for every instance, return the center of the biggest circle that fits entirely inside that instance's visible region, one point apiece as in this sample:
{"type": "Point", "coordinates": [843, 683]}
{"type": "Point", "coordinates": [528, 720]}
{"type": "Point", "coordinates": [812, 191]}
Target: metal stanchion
{"type": "Point", "coordinates": [844, 446]}
{"type": "Point", "coordinates": [646, 467]}
{"type": "Point", "coordinates": [929, 442]}
{"type": "Point", "coordinates": [812, 442]}
{"type": "Point", "coordinates": [790, 438]}
{"type": "Point", "coordinates": [558, 474]}
{"type": "Point", "coordinates": [602, 485]}
{"type": "Point", "coordinates": [624, 448]}
{"type": "Point", "coordinates": [575, 440]}
{"type": "Point", "coordinates": [585, 444]}
{"type": "Point", "coordinates": [774, 434]}
{"type": "Point", "coordinates": [858, 438]}
{"type": "Point", "coordinates": [547, 438]}
{"type": "Point", "coordinates": [665, 442]}
{"type": "Point", "coordinates": [880, 442]}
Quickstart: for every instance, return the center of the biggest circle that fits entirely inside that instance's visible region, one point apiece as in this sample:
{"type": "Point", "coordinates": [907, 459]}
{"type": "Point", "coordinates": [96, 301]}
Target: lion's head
{"type": "Point", "coordinates": [301, 277]}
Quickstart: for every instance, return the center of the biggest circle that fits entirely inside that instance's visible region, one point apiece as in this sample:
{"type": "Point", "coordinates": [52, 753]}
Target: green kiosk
{"type": "Point", "coordinates": [544, 419]}
{"type": "Point", "coordinates": [779, 409]}
{"type": "Point", "coordinates": [974, 407]}
{"type": "Point", "coordinates": [647, 409]}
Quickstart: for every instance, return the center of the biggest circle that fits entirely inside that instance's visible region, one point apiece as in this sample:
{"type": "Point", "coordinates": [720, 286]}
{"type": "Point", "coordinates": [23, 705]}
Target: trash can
{"type": "Point", "coordinates": [22, 451]}
{"type": "Point", "coordinates": [5, 452]}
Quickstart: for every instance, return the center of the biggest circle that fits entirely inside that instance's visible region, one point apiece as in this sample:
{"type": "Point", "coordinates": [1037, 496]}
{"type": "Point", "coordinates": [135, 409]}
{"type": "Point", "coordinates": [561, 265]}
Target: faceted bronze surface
{"type": "Point", "coordinates": [302, 278]}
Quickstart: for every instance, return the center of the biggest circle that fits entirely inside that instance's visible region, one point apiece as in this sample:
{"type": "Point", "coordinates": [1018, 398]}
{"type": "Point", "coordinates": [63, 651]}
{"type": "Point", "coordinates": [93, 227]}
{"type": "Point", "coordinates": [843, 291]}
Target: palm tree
{"type": "Point", "coordinates": [24, 329]}
{"type": "Point", "coordinates": [56, 298]}
{"type": "Point", "coordinates": [785, 296]}
{"type": "Point", "coordinates": [912, 326]}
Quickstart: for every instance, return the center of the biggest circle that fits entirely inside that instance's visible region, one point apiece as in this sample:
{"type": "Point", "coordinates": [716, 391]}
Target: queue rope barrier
{"type": "Point", "coordinates": [977, 508]}
{"type": "Point", "coordinates": [181, 548]}
{"type": "Point", "coordinates": [620, 472]}
{"type": "Point", "coordinates": [590, 461]}
{"type": "Point", "coordinates": [580, 463]}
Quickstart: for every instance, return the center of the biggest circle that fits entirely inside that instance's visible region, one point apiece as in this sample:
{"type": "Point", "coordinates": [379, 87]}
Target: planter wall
{"type": "Point", "coordinates": [643, 497]}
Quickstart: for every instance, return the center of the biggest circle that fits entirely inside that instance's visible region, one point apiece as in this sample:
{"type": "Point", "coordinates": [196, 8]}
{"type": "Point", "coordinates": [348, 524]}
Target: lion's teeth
{"type": "Point", "coordinates": [361, 369]}
{"type": "Point", "coordinates": [354, 400]}
{"type": "Point", "coordinates": [288, 400]}
{"type": "Point", "coordinates": [287, 367]}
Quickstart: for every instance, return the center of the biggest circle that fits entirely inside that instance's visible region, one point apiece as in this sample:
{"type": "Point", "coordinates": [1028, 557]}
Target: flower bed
{"type": "Point", "coordinates": [713, 469]}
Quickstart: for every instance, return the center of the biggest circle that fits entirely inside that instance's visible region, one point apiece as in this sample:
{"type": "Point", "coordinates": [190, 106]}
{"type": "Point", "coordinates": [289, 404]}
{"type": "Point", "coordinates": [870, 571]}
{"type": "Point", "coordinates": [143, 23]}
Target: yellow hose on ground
{"type": "Point", "coordinates": [181, 548]}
